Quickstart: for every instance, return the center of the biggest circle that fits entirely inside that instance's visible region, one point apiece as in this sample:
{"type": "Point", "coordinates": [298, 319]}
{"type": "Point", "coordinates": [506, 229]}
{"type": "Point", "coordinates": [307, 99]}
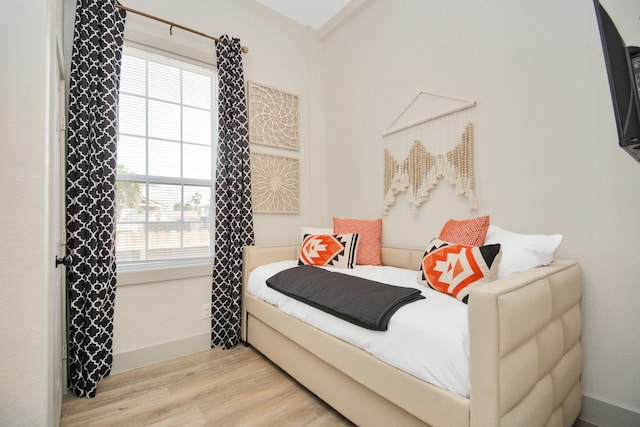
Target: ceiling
{"type": "Point", "coordinates": [311, 13]}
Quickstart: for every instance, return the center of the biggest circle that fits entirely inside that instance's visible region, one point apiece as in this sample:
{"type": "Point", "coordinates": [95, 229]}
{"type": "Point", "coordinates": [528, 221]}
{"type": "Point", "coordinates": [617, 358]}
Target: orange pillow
{"type": "Point", "coordinates": [370, 232]}
{"type": "Point", "coordinates": [465, 232]}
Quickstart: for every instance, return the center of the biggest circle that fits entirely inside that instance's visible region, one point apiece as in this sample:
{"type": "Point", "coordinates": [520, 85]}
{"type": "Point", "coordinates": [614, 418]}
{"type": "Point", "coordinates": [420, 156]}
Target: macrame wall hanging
{"type": "Point", "coordinates": [437, 143]}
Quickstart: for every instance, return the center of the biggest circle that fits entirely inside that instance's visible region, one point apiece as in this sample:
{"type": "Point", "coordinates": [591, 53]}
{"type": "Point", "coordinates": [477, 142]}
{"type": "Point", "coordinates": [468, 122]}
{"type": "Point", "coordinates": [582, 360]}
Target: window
{"type": "Point", "coordinates": [167, 118]}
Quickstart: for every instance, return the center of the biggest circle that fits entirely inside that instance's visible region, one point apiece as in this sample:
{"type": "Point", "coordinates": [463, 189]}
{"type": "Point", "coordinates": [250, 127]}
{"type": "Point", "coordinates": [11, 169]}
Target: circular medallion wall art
{"type": "Point", "coordinates": [274, 181]}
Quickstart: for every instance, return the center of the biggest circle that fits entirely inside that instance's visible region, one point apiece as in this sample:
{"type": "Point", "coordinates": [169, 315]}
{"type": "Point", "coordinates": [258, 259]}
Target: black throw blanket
{"type": "Point", "coordinates": [363, 302]}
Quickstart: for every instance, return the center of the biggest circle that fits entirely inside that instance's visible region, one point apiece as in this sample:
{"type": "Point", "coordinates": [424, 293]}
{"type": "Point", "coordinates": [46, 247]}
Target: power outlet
{"type": "Point", "coordinates": [206, 311]}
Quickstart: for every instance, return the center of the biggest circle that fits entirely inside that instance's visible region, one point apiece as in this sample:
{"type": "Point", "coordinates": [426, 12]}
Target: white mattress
{"type": "Point", "coordinates": [428, 338]}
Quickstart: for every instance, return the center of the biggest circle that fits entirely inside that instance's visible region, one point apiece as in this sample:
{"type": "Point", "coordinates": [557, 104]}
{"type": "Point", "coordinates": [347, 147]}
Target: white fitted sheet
{"type": "Point", "coordinates": [428, 339]}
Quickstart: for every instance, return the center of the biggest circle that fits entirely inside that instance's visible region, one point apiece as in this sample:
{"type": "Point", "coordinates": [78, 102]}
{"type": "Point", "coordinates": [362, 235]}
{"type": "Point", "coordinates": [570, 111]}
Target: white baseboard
{"type": "Point", "coordinates": [160, 353]}
{"type": "Point", "coordinates": [604, 414]}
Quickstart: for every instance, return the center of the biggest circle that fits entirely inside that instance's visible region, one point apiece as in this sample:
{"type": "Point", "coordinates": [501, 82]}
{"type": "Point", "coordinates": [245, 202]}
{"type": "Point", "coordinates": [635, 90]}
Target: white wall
{"type": "Point", "coordinates": [546, 155]}
{"type": "Point", "coordinates": [28, 352]}
{"type": "Point", "coordinates": [156, 320]}
{"type": "Point", "coordinates": [159, 318]}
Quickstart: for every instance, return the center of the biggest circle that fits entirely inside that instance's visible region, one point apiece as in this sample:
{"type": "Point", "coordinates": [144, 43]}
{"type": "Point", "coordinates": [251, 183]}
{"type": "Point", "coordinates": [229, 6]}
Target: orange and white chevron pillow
{"type": "Point", "coordinates": [330, 250]}
{"type": "Point", "coordinates": [456, 269]}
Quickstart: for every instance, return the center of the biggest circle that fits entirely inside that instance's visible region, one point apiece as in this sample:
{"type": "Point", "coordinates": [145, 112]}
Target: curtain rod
{"type": "Point", "coordinates": [244, 49]}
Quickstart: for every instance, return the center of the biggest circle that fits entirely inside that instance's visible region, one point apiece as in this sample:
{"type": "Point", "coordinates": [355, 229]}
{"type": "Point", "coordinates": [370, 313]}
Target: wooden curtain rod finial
{"type": "Point", "coordinates": [244, 49]}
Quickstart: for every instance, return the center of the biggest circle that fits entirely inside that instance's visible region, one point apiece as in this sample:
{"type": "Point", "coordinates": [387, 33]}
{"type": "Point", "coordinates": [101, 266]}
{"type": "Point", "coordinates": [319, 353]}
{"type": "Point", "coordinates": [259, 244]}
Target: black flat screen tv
{"type": "Point", "coordinates": [623, 69]}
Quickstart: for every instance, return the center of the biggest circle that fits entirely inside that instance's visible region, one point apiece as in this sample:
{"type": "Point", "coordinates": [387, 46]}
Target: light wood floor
{"type": "Point", "coordinates": [237, 387]}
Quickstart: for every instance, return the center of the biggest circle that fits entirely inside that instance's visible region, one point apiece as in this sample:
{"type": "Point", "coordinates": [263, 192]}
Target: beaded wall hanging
{"type": "Point", "coordinates": [434, 148]}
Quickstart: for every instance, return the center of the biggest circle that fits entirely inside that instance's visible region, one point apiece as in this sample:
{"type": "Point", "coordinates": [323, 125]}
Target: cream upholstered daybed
{"type": "Point", "coordinates": [524, 350]}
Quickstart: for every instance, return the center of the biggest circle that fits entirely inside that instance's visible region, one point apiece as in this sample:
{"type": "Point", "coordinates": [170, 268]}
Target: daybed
{"type": "Point", "coordinates": [524, 350]}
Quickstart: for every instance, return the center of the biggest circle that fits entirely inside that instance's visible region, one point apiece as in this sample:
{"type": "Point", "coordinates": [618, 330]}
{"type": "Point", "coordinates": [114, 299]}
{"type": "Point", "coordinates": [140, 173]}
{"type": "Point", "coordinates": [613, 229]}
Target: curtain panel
{"type": "Point", "coordinates": [233, 205]}
{"type": "Point", "coordinates": [90, 191]}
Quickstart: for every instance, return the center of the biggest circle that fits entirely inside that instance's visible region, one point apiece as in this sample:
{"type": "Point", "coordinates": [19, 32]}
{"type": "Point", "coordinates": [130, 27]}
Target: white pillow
{"type": "Point", "coordinates": [314, 230]}
{"type": "Point", "coordinates": [522, 252]}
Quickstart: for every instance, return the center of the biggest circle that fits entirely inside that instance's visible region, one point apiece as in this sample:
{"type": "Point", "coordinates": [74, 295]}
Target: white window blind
{"type": "Point", "coordinates": [167, 122]}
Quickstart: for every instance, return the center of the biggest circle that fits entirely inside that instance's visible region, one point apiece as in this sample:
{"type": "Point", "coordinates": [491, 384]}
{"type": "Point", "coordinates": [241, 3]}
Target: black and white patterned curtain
{"type": "Point", "coordinates": [90, 192]}
{"type": "Point", "coordinates": [234, 211]}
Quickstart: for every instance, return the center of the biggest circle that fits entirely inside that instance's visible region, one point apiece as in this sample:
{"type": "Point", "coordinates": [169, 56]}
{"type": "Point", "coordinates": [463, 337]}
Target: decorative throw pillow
{"type": "Point", "coordinates": [333, 250]}
{"type": "Point", "coordinates": [456, 269]}
{"type": "Point", "coordinates": [522, 252]}
{"type": "Point", "coordinates": [314, 230]}
{"type": "Point", "coordinates": [370, 232]}
{"type": "Point", "coordinates": [465, 232]}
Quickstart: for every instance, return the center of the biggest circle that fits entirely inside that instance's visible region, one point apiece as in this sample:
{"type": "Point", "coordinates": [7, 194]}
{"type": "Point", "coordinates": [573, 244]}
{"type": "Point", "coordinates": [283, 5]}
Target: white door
{"type": "Point", "coordinates": [61, 235]}
{"type": "Point", "coordinates": [57, 288]}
